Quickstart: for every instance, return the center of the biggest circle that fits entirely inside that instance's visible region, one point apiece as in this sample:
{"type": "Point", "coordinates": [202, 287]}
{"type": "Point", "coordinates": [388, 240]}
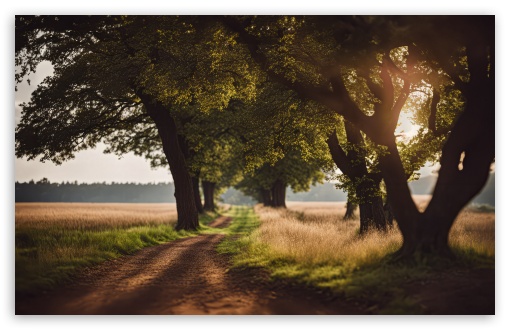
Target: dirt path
{"type": "Point", "coordinates": [186, 276]}
{"type": "Point", "coordinates": [458, 292]}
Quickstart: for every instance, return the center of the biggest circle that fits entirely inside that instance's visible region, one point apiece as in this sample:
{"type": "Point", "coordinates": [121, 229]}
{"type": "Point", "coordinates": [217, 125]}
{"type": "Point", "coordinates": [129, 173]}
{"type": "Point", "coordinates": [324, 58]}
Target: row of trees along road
{"type": "Point", "coordinates": [266, 102]}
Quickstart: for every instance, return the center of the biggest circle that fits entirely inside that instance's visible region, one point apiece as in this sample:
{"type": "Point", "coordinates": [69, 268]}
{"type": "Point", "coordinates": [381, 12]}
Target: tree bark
{"type": "Point", "coordinates": [196, 190]}
{"type": "Point", "coordinates": [187, 215]}
{"type": "Point", "coordinates": [371, 208]}
{"type": "Point", "coordinates": [278, 193]}
{"type": "Point", "coordinates": [350, 208]}
{"type": "Point", "coordinates": [353, 164]}
{"type": "Point", "coordinates": [389, 213]}
{"type": "Point", "coordinates": [208, 188]}
{"type": "Point", "coordinates": [188, 155]}
{"type": "Point", "coordinates": [399, 195]}
{"type": "Point", "coordinates": [266, 197]}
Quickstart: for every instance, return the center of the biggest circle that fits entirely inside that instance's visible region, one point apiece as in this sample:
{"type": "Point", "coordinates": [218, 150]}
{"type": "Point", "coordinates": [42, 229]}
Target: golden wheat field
{"type": "Point", "coordinates": [314, 232]}
{"type": "Point", "coordinates": [92, 216]}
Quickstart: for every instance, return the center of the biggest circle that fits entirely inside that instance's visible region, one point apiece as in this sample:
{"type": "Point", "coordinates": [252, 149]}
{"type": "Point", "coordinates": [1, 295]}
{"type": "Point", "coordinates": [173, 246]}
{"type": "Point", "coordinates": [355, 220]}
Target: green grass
{"type": "Point", "coordinates": [374, 281]}
{"type": "Point", "coordinates": [52, 255]}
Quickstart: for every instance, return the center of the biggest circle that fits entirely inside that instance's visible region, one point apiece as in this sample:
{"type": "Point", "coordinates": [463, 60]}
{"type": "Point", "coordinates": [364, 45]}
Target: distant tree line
{"type": "Point", "coordinates": [74, 192]}
{"type": "Point", "coordinates": [46, 191]}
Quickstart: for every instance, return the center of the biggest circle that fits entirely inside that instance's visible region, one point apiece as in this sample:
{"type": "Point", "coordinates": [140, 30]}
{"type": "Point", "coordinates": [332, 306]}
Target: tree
{"type": "Point", "coordinates": [363, 186]}
{"type": "Point", "coordinates": [283, 144]}
{"type": "Point", "coordinates": [214, 139]}
{"type": "Point", "coordinates": [309, 54]}
{"type": "Point", "coordinates": [115, 77]}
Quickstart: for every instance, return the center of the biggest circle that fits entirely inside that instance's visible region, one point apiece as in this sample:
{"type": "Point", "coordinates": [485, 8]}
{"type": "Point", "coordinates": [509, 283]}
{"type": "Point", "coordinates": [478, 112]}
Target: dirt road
{"type": "Point", "coordinates": [186, 276]}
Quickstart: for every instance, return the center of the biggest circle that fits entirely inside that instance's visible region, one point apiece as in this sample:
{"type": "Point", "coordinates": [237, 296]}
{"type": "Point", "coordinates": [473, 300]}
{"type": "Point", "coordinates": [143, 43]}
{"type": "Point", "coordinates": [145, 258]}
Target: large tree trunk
{"type": "Point", "coordinates": [467, 154]}
{"type": "Point", "coordinates": [465, 166]}
{"type": "Point", "coordinates": [399, 195]}
{"type": "Point", "coordinates": [278, 193]}
{"type": "Point", "coordinates": [188, 155]}
{"type": "Point", "coordinates": [187, 215]}
{"type": "Point", "coordinates": [266, 197]}
{"type": "Point", "coordinates": [208, 188]}
{"type": "Point", "coordinates": [196, 190]}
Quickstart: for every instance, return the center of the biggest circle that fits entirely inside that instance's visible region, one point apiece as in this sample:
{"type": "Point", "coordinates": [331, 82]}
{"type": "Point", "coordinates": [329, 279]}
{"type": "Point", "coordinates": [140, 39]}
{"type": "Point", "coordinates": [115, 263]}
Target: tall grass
{"type": "Point", "coordinates": [55, 240]}
{"type": "Point", "coordinates": [322, 232]}
{"type": "Point", "coordinates": [321, 239]}
{"type": "Point", "coordinates": [311, 243]}
{"type": "Point", "coordinates": [474, 233]}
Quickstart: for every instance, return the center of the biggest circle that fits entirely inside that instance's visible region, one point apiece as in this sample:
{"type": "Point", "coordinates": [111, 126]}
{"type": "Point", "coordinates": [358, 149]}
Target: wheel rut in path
{"type": "Point", "coordinates": [186, 276]}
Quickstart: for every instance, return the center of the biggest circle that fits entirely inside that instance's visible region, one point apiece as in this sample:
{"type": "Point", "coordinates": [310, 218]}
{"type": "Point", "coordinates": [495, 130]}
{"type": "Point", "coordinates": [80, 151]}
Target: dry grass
{"type": "Point", "coordinates": [55, 240]}
{"type": "Point", "coordinates": [474, 232]}
{"type": "Point", "coordinates": [320, 208]}
{"type": "Point", "coordinates": [93, 216]}
{"type": "Point", "coordinates": [321, 237]}
{"type": "Point", "coordinates": [322, 231]}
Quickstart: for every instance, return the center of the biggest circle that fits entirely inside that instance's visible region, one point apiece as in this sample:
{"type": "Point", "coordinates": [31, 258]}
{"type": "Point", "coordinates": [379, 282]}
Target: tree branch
{"type": "Point", "coordinates": [374, 88]}
{"type": "Point", "coordinates": [338, 154]}
{"type": "Point", "coordinates": [337, 100]}
{"type": "Point", "coordinates": [433, 110]}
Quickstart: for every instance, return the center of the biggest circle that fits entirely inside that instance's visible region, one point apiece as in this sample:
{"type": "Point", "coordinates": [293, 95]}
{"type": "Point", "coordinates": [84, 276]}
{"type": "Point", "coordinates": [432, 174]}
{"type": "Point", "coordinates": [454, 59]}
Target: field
{"type": "Point", "coordinates": [54, 240]}
{"type": "Point", "coordinates": [311, 244]}
{"type": "Point", "coordinates": [93, 216]}
{"type": "Point", "coordinates": [307, 244]}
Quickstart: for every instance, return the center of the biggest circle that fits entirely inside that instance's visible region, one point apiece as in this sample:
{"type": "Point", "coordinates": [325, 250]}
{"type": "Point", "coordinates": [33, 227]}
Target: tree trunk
{"type": "Point", "coordinates": [467, 154]}
{"type": "Point", "coordinates": [196, 190]}
{"type": "Point", "coordinates": [371, 205]}
{"type": "Point", "coordinates": [353, 164]}
{"type": "Point", "coordinates": [350, 208]}
{"type": "Point", "coordinates": [399, 195]}
{"type": "Point", "coordinates": [278, 192]}
{"type": "Point", "coordinates": [379, 217]}
{"type": "Point", "coordinates": [208, 188]}
{"type": "Point", "coordinates": [188, 155]}
{"type": "Point", "coordinates": [372, 215]}
{"type": "Point", "coordinates": [187, 215]}
{"type": "Point", "coordinates": [388, 213]}
{"type": "Point", "coordinates": [472, 141]}
{"type": "Point", "coordinates": [365, 215]}
{"type": "Point", "coordinates": [266, 197]}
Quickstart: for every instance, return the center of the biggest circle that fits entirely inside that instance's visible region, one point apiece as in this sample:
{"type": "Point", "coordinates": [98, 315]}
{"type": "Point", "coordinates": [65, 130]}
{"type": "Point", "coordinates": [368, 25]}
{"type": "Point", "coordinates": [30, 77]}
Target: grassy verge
{"type": "Point", "coordinates": [326, 253]}
{"type": "Point", "coordinates": [245, 221]}
{"type": "Point", "coordinates": [49, 255]}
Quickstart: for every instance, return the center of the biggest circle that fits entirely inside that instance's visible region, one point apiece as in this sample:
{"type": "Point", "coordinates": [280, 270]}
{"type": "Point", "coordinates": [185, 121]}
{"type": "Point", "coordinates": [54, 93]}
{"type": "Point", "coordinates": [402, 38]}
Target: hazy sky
{"type": "Point", "coordinates": [89, 165]}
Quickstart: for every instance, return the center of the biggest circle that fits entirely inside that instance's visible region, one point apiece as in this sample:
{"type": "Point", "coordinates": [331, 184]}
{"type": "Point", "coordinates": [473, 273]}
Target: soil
{"type": "Point", "coordinates": [188, 276]}
{"type": "Point", "coordinates": [457, 291]}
